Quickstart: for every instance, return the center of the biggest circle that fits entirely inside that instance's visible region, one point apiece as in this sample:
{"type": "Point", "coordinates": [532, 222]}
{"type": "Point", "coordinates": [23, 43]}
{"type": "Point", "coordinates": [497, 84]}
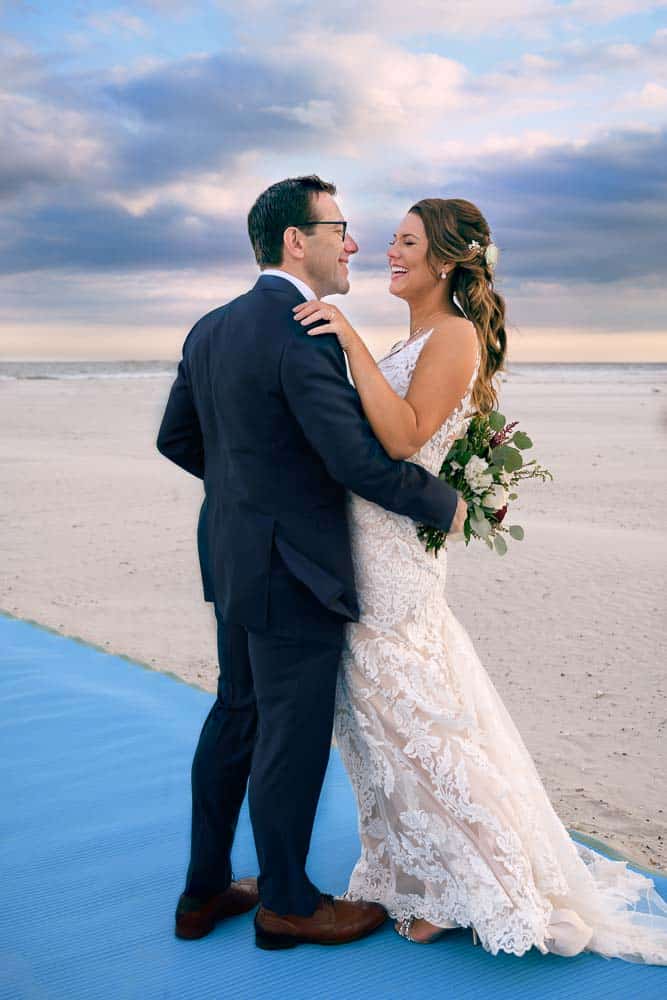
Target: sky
{"type": "Point", "coordinates": [136, 137]}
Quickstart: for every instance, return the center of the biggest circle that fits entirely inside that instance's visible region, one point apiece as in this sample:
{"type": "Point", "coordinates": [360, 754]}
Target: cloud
{"type": "Point", "coordinates": [632, 306]}
{"type": "Point", "coordinates": [406, 95]}
{"type": "Point", "coordinates": [563, 77]}
{"type": "Point", "coordinates": [198, 114]}
{"type": "Point", "coordinates": [218, 194]}
{"type": "Point", "coordinates": [652, 95]}
{"type": "Point", "coordinates": [86, 233]}
{"type": "Point", "coordinates": [160, 298]}
{"type": "Point", "coordinates": [201, 112]}
{"type": "Point", "coordinates": [43, 145]}
{"type": "Point", "coordinates": [584, 57]}
{"type": "Point", "coordinates": [601, 11]}
{"type": "Point", "coordinates": [21, 65]}
{"type": "Point", "coordinates": [273, 20]}
{"type": "Point", "coordinates": [177, 8]}
{"type": "Point", "coordinates": [127, 134]}
{"type": "Point", "coordinates": [110, 22]}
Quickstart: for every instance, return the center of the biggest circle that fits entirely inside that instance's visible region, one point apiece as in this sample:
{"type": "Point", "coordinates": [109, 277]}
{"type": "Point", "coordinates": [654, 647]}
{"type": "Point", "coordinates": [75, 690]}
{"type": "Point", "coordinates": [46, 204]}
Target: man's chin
{"type": "Point", "coordinates": [339, 285]}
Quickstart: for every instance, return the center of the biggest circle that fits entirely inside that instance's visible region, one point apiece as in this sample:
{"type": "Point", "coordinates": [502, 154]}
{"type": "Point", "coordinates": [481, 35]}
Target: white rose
{"type": "Point", "coordinates": [476, 475]}
{"type": "Point", "coordinates": [491, 254]}
{"type": "Point", "coordinates": [475, 465]}
{"type": "Point", "coordinates": [496, 497]}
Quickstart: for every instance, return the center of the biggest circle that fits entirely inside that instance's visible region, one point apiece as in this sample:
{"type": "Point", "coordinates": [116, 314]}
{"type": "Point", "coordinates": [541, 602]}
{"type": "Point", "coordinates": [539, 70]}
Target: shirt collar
{"type": "Point", "coordinates": [305, 290]}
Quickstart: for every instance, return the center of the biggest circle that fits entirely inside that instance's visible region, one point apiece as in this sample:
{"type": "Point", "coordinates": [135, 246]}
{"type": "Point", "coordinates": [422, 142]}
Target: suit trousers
{"type": "Point", "coordinates": [269, 729]}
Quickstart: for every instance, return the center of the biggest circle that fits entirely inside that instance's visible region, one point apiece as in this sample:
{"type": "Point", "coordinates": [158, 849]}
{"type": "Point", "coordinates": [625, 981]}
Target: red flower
{"type": "Point", "coordinates": [500, 513]}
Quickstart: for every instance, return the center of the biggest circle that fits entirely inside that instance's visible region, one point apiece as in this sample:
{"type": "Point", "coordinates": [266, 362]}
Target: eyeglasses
{"type": "Point", "coordinates": [320, 222]}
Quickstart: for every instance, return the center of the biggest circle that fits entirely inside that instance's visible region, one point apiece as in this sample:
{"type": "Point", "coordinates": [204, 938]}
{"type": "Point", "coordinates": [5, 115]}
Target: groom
{"type": "Point", "coordinates": [266, 416]}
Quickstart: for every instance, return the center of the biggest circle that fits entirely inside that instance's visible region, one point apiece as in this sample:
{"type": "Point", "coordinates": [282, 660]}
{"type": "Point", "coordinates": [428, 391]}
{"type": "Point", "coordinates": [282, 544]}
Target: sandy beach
{"type": "Point", "coordinates": [97, 533]}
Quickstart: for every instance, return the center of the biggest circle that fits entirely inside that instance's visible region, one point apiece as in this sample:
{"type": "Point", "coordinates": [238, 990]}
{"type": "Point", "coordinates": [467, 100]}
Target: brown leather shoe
{"type": "Point", "coordinates": [195, 919]}
{"type": "Point", "coordinates": [335, 921]}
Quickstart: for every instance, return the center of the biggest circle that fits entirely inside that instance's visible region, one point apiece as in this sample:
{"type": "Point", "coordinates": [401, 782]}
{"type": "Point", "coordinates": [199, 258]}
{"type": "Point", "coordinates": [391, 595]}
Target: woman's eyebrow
{"type": "Point", "coordinates": [414, 235]}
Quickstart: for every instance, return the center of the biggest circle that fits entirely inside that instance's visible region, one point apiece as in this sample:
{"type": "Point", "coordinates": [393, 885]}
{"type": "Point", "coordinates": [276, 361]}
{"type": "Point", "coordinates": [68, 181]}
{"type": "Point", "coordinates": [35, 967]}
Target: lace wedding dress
{"type": "Point", "coordinates": [456, 826]}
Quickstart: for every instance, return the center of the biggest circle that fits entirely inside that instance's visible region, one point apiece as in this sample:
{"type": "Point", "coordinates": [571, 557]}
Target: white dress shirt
{"type": "Point", "coordinates": [307, 292]}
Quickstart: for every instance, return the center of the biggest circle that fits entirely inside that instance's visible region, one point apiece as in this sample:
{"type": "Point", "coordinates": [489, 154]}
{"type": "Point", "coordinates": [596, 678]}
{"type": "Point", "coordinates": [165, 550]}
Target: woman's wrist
{"type": "Point", "coordinates": [347, 339]}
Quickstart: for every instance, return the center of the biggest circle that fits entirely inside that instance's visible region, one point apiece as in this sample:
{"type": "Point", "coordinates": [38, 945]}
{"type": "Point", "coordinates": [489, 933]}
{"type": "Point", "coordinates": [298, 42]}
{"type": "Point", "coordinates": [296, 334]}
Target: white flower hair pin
{"type": "Point", "coordinates": [490, 254]}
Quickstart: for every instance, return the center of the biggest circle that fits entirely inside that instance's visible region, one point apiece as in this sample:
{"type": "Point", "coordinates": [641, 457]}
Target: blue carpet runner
{"type": "Point", "coordinates": [95, 754]}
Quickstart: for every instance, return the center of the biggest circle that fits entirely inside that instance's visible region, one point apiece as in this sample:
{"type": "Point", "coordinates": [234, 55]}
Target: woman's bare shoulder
{"type": "Point", "coordinates": [453, 336]}
{"type": "Point", "coordinates": [457, 325]}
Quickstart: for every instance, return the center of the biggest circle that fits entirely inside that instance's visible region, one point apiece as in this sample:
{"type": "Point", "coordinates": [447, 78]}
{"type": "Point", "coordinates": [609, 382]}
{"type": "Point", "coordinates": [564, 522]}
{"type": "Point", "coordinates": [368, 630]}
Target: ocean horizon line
{"type": "Point", "coordinates": [550, 371]}
{"type": "Point", "coordinates": [174, 361]}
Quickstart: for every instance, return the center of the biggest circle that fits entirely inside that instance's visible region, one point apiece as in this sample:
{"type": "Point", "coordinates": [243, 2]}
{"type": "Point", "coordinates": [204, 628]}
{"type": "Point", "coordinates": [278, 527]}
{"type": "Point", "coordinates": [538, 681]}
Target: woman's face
{"type": "Point", "coordinates": [411, 275]}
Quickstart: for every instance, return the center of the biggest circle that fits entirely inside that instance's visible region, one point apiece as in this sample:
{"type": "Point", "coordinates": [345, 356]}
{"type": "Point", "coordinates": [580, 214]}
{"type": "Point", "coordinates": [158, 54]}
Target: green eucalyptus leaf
{"type": "Point", "coordinates": [514, 460]}
{"type": "Point", "coordinates": [496, 420]}
{"type": "Point", "coordinates": [516, 531]}
{"type": "Point", "coordinates": [480, 526]}
{"type": "Point", "coordinates": [501, 545]}
{"type": "Point", "coordinates": [507, 457]}
{"type": "Point", "coordinates": [521, 440]}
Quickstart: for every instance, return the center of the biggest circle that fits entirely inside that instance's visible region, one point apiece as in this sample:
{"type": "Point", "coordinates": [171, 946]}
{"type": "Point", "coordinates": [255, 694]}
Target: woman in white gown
{"type": "Point", "coordinates": [456, 827]}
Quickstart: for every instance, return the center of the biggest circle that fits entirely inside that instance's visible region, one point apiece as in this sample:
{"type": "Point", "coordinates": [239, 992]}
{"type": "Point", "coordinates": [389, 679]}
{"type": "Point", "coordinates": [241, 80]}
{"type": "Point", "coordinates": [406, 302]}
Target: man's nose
{"type": "Point", "coordinates": [350, 245]}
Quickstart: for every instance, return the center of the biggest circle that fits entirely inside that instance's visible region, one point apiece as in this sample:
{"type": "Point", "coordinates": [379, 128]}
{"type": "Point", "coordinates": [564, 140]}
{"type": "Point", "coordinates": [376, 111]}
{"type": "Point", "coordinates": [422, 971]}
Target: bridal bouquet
{"type": "Point", "coordinates": [485, 466]}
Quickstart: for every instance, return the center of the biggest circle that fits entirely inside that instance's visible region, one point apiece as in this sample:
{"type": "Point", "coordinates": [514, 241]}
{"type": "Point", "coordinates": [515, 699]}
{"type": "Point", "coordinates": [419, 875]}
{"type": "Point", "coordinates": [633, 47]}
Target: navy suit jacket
{"type": "Point", "coordinates": [265, 414]}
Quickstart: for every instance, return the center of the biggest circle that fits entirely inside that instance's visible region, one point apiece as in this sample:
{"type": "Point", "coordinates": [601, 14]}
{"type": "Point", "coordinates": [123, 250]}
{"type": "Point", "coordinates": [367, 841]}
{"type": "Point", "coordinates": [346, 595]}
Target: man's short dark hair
{"type": "Point", "coordinates": [286, 203]}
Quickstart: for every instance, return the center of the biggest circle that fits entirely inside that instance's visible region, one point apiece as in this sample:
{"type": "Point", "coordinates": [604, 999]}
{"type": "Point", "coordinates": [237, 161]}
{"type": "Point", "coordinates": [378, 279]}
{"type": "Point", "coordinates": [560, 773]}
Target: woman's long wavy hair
{"type": "Point", "coordinates": [451, 224]}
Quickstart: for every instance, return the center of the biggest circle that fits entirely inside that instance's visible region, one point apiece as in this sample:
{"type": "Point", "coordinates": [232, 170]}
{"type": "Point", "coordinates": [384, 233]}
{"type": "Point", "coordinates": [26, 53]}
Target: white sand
{"type": "Point", "coordinates": [97, 533]}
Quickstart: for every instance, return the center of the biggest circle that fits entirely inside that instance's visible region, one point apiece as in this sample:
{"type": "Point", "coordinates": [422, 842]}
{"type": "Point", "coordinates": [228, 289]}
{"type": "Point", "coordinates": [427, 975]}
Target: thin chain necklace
{"type": "Point", "coordinates": [415, 336]}
{"type": "Point", "coordinates": [416, 333]}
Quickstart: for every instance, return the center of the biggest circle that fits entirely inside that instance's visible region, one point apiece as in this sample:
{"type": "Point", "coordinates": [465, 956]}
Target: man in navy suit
{"type": "Point", "coordinates": [266, 416]}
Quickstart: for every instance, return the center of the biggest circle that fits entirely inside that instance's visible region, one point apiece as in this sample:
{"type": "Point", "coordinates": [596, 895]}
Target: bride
{"type": "Point", "coordinates": [456, 827]}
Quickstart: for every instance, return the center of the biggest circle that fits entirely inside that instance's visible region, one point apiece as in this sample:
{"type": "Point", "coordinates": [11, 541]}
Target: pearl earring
{"type": "Point", "coordinates": [443, 274]}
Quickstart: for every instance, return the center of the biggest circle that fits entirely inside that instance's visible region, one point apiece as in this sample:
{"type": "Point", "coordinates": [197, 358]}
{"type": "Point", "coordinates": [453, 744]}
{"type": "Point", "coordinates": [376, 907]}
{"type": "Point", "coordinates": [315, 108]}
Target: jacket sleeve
{"type": "Point", "coordinates": [180, 437]}
{"type": "Point", "coordinates": [329, 411]}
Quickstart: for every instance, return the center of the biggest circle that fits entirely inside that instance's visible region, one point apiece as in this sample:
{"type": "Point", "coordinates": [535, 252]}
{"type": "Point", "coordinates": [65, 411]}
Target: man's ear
{"type": "Point", "coordinates": [294, 243]}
